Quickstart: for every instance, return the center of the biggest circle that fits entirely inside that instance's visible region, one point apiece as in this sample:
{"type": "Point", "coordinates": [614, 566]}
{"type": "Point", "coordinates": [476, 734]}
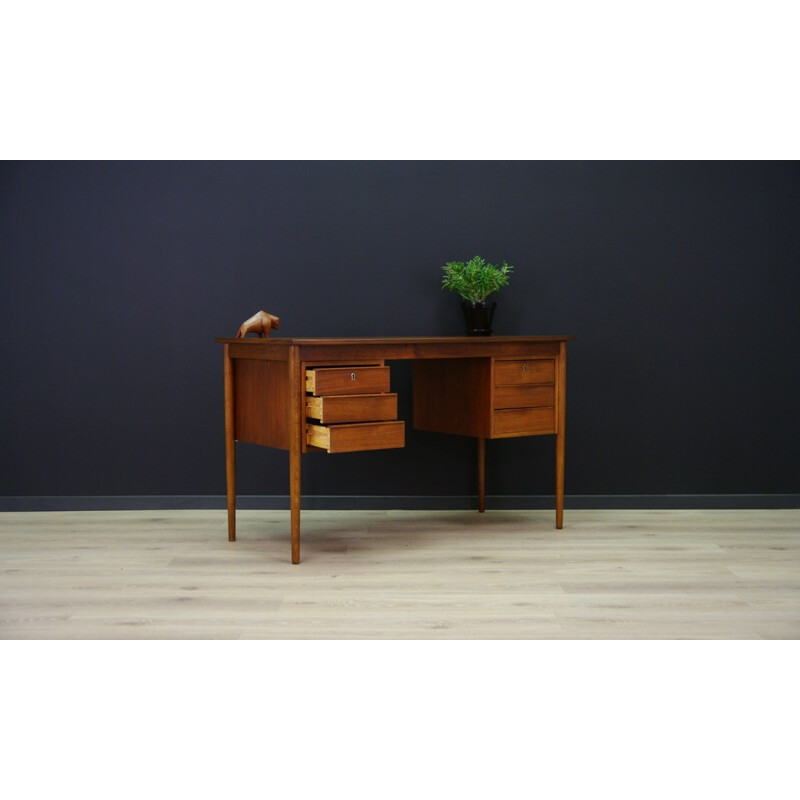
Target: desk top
{"type": "Point", "coordinates": [396, 347]}
{"type": "Point", "coordinates": [393, 340]}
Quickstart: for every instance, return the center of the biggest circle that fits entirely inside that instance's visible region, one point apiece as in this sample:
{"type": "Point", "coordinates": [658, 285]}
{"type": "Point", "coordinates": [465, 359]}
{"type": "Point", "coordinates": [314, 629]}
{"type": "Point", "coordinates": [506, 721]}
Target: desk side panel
{"type": "Point", "coordinates": [262, 402]}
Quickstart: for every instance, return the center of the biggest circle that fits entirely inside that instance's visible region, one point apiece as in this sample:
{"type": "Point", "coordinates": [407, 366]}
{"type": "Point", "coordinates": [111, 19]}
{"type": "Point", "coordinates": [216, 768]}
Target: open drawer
{"type": "Point", "coordinates": [357, 436]}
{"type": "Point", "coordinates": [352, 408]}
{"type": "Point", "coordinates": [347, 380]}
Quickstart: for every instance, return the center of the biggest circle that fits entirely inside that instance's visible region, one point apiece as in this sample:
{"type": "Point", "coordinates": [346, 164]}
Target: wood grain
{"type": "Point", "coordinates": [523, 395]}
{"type": "Point", "coordinates": [262, 402]}
{"type": "Point", "coordinates": [230, 441]}
{"type": "Point", "coordinates": [351, 437]}
{"type": "Point", "coordinates": [295, 415]}
{"type": "Point", "coordinates": [455, 378]}
{"type": "Point", "coordinates": [261, 323]}
{"type": "Point", "coordinates": [352, 408]}
{"type": "Point", "coordinates": [452, 395]}
{"type": "Point", "coordinates": [523, 421]}
{"type": "Point", "coordinates": [401, 575]}
{"type": "Point", "coordinates": [481, 474]}
{"type": "Point", "coordinates": [347, 380]}
{"type": "Point", "coordinates": [561, 422]}
{"type": "Point", "coordinates": [524, 371]}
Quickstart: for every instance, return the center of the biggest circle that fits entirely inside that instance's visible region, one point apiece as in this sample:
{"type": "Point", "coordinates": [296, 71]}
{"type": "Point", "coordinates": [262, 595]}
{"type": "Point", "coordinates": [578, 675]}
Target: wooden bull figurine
{"type": "Point", "coordinates": [260, 323]}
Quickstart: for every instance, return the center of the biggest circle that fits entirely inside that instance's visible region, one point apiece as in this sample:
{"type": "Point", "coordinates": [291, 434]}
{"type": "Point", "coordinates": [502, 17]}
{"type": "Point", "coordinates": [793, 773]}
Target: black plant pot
{"type": "Point", "coordinates": [478, 317]}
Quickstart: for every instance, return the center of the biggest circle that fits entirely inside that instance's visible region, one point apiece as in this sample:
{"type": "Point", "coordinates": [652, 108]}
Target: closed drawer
{"type": "Point", "coordinates": [347, 380]}
{"type": "Point", "coordinates": [521, 421]}
{"type": "Point", "coordinates": [524, 394]}
{"type": "Point", "coordinates": [357, 436]}
{"type": "Point", "coordinates": [352, 408]}
{"type": "Point", "coordinates": [531, 371]}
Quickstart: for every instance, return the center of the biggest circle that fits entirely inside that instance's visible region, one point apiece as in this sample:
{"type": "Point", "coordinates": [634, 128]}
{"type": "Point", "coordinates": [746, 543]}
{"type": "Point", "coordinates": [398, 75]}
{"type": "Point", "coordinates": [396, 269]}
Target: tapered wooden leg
{"type": "Point", "coordinates": [296, 424]}
{"type": "Point", "coordinates": [561, 403]}
{"type": "Point", "coordinates": [481, 474]}
{"type": "Point", "coordinates": [559, 480]}
{"type": "Point", "coordinates": [230, 446]}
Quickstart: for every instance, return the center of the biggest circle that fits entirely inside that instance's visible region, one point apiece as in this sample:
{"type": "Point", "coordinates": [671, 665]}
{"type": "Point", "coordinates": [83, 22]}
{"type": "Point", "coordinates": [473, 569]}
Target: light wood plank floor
{"type": "Point", "coordinates": [401, 575]}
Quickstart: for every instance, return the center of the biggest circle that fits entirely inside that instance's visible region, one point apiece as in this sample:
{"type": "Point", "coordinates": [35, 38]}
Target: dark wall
{"type": "Point", "coordinates": [680, 280]}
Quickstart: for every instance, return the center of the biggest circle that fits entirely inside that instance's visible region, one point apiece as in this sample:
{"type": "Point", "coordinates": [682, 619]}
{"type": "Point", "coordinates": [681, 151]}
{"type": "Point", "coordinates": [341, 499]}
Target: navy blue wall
{"type": "Point", "coordinates": [680, 280]}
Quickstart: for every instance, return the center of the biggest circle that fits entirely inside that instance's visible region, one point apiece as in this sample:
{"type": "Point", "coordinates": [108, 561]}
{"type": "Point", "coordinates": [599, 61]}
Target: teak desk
{"type": "Point", "coordinates": [332, 395]}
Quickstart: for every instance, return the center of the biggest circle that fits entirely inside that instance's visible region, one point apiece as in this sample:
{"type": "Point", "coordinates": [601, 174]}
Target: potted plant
{"type": "Point", "coordinates": [475, 280]}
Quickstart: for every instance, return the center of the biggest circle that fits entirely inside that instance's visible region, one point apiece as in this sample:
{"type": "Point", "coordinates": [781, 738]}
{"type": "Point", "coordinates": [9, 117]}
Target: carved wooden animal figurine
{"type": "Point", "coordinates": [260, 323]}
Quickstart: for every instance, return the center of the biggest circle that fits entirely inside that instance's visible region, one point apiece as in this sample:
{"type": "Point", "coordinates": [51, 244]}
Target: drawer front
{"type": "Point", "coordinates": [352, 408]}
{"type": "Point", "coordinates": [523, 421]}
{"type": "Point", "coordinates": [531, 371]}
{"type": "Point", "coordinates": [347, 380]}
{"type": "Point", "coordinates": [358, 436]}
{"type": "Point", "coordinates": [524, 395]}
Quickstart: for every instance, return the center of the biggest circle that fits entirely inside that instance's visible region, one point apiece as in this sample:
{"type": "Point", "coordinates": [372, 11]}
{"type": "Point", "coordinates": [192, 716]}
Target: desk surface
{"type": "Point", "coordinates": [390, 340]}
{"type": "Point", "coordinates": [400, 347]}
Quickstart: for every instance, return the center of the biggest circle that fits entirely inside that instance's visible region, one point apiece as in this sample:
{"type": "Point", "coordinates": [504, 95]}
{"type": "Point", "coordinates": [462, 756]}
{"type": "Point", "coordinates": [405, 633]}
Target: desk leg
{"type": "Point", "coordinates": [561, 390]}
{"type": "Point", "coordinates": [481, 474]}
{"type": "Point", "coordinates": [296, 425]}
{"type": "Point", "coordinates": [230, 446]}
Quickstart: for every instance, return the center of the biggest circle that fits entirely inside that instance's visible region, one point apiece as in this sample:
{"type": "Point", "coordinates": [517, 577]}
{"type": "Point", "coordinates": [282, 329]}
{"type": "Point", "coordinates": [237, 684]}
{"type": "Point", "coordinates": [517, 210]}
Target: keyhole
{"type": "Point", "coordinates": [352, 376]}
{"type": "Point", "coordinates": [524, 367]}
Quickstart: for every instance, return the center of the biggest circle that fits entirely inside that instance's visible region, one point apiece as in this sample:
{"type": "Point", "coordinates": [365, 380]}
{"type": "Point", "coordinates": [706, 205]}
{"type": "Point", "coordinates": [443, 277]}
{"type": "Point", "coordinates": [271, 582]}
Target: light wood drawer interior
{"type": "Point", "coordinates": [509, 373]}
{"type": "Point", "coordinates": [520, 421]}
{"type": "Point", "coordinates": [356, 436]}
{"type": "Point", "coordinates": [352, 408]}
{"type": "Point", "coordinates": [347, 380]}
{"type": "Point", "coordinates": [524, 394]}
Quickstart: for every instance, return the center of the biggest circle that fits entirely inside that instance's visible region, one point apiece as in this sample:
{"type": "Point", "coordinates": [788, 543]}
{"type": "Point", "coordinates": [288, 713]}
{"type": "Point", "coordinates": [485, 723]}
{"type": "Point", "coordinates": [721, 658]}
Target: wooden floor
{"type": "Point", "coordinates": [401, 575]}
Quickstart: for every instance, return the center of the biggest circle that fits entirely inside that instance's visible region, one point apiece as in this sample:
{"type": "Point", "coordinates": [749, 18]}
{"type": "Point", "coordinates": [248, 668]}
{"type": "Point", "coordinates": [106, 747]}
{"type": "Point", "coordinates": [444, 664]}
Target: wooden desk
{"type": "Point", "coordinates": [318, 395]}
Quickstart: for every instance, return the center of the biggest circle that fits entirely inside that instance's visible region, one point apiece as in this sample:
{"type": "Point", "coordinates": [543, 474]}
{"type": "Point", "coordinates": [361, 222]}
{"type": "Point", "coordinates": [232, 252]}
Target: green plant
{"type": "Point", "coordinates": [475, 279]}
